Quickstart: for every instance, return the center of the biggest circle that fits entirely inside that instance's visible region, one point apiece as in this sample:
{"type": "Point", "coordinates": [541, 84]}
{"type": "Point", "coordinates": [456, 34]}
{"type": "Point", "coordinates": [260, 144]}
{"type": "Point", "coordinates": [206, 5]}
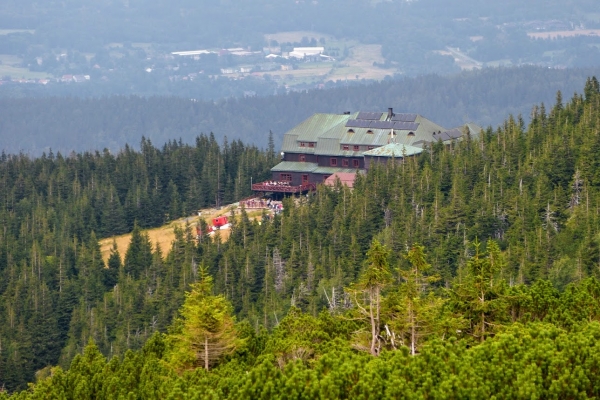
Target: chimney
{"type": "Point", "coordinates": [390, 114]}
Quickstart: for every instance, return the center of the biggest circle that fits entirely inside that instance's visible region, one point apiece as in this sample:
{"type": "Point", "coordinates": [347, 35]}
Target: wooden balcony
{"type": "Point", "coordinates": [282, 187]}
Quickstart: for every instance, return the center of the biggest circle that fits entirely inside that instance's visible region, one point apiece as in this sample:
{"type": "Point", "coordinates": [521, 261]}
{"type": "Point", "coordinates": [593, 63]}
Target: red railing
{"type": "Point", "coordinates": [281, 188]}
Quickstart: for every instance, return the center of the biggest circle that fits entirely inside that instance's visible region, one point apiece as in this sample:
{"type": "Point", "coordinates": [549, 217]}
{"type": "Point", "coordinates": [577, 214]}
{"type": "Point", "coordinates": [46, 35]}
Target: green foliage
{"type": "Point", "coordinates": [507, 321]}
{"type": "Point", "coordinates": [205, 331]}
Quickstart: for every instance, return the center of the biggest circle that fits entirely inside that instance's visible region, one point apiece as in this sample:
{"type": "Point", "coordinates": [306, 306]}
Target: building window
{"type": "Point", "coordinates": [325, 177]}
{"type": "Point", "coordinates": [345, 147]}
{"type": "Point", "coordinates": [333, 162]}
{"type": "Point", "coordinates": [356, 148]}
{"type": "Point", "coordinates": [345, 162]}
{"type": "Point", "coordinates": [285, 177]}
{"type": "Point", "coordinates": [370, 147]}
{"type": "Point", "coordinates": [302, 158]}
{"type": "Point", "coordinates": [302, 144]}
{"type": "Point", "coordinates": [304, 179]}
{"type": "Point", "coordinates": [311, 144]}
{"type": "Point", "coordinates": [355, 163]}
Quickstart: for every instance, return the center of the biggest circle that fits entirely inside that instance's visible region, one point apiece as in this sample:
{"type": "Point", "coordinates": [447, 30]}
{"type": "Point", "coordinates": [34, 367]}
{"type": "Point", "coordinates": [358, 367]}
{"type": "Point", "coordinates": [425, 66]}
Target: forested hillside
{"type": "Point", "coordinates": [34, 125]}
{"type": "Point", "coordinates": [469, 271]}
{"type": "Point", "coordinates": [54, 209]}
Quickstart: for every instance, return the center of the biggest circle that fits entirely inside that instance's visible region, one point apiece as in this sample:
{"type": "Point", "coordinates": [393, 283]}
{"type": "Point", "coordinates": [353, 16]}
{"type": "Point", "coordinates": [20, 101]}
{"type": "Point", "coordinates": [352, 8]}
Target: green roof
{"type": "Point", "coordinates": [295, 166]}
{"type": "Point", "coordinates": [330, 133]}
{"type": "Point", "coordinates": [312, 129]}
{"type": "Point", "coordinates": [332, 170]}
{"type": "Point", "coordinates": [397, 150]}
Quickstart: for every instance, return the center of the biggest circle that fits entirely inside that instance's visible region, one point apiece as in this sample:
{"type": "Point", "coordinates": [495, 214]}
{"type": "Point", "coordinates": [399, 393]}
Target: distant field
{"type": "Point", "coordinates": [9, 59]}
{"type": "Point", "coordinates": [557, 34]}
{"type": "Point", "coordinates": [358, 65]}
{"type": "Point", "coordinates": [463, 61]}
{"type": "Point", "coordinates": [10, 66]}
{"type": "Point", "coordinates": [24, 73]}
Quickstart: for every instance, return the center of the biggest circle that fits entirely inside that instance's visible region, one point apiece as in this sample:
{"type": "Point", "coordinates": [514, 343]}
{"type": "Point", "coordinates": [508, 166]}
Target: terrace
{"type": "Point", "coordinates": [282, 187]}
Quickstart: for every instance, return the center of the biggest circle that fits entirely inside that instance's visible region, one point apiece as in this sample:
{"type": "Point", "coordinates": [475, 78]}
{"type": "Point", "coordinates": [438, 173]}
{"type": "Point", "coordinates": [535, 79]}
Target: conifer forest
{"type": "Point", "coordinates": [468, 271]}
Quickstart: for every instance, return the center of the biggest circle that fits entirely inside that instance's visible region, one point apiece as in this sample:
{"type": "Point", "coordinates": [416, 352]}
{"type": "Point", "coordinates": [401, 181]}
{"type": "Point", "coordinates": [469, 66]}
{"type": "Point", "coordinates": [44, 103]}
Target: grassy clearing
{"type": "Point", "coordinates": [10, 66]}
{"type": "Point", "coordinates": [359, 61]}
{"type": "Point", "coordinates": [9, 59]}
{"type": "Point", "coordinates": [21, 73]}
{"type": "Point", "coordinates": [349, 70]}
{"type": "Point", "coordinates": [165, 235]}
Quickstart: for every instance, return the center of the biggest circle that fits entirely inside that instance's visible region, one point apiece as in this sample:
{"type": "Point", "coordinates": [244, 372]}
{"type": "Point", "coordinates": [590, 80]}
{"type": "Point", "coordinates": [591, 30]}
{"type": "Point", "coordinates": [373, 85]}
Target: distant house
{"type": "Point", "coordinates": [303, 52]}
{"type": "Point", "coordinates": [192, 53]}
{"type": "Point", "coordinates": [81, 78]}
{"type": "Point", "coordinates": [328, 144]}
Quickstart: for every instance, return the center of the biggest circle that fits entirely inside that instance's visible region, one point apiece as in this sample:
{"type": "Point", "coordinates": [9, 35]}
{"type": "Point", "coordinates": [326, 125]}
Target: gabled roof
{"type": "Point", "coordinates": [346, 178]}
{"type": "Point", "coordinates": [396, 150]}
{"type": "Point", "coordinates": [295, 166]}
{"type": "Point", "coordinates": [473, 129]}
{"type": "Point", "coordinates": [330, 132]}
{"type": "Point", "coordinates": [312, 129]}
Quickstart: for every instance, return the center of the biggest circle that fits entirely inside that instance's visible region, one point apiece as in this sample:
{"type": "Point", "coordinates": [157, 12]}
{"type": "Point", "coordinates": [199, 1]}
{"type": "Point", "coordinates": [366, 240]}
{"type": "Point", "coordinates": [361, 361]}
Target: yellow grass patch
{"type": "Point", "coordinates": [165, 235]}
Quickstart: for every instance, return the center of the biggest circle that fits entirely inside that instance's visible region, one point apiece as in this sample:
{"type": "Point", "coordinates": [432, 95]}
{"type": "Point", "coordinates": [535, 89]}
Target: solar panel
{"type": "Point", "coordinates": [369, 115]}
{"type": "Point", "coordinates": [404, 117]}
{"type": "Point", "coordinates": [454, 133]}
{"type": "Point", "coordinates": [406, 126]}
{"type": "Point", "coordinates": [382, 125]}
{"type": "Point", "coordinates": [358, 123]}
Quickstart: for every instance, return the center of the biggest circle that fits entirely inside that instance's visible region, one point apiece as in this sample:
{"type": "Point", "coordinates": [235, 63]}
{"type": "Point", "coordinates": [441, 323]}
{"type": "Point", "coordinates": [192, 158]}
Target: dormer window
{"type": "Point", "coordinates": [302, 144]}
{"type": "Point", "coordinates": [411, 134]}
{"type": "Point", "coordinates": [356, 147]}
{"type": "Point", "coordinates": [350, 130]}
{"type": "Point", "coordinates": [370, 132]}
{"type": "Point", "coordinates": [345, 147]}
{"type": "Point", "coordinates": [311, 144]}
